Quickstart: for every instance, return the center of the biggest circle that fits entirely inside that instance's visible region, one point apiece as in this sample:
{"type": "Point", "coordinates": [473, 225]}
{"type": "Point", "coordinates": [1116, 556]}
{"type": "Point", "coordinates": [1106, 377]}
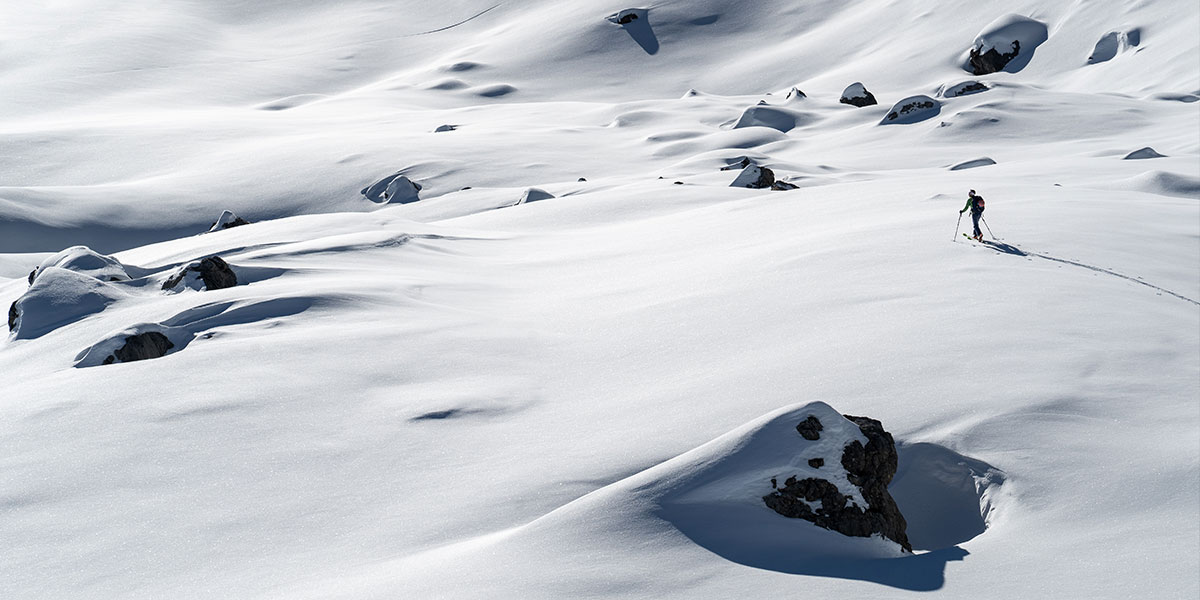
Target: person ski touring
{"type": "Point", "coordinates": [975, 205]}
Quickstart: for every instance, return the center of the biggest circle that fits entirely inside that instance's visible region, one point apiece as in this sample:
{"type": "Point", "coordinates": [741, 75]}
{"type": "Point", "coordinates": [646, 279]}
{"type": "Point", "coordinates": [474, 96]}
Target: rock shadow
{"type": "Point", "coordinates": [638, 27]}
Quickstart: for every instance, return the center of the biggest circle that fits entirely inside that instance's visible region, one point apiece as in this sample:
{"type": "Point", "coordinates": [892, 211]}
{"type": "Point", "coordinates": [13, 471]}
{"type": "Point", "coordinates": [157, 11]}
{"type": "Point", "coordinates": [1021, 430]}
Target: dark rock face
{"type": "Point", "coordinates": [783, 186]}
{"type": "Point", "coordinates": [816, 463]}
{"type": "Point", "coordinates": [627, 18]}
{"type": "Point", "coordinates": [32, 274]}
{"type": "Point", "coordinates": [992, 61]}
{"type": "Point", "coordinates": [13, 314]}
{"type": "Point", "coordinates": [810, 428]}
{"type": "Point", "coordinates": [142, 346]}
{"type": "Point", "coordinates": [214, 271]}
{"type": "Point", "coordinates": [868, 467]}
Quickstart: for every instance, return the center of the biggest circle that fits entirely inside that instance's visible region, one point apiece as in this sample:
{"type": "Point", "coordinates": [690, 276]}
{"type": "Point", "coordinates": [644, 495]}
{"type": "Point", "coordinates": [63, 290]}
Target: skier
{"type": "Point", "coordinates": [975, 204]}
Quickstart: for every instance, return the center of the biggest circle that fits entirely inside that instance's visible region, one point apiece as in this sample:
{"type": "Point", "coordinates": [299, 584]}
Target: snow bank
{"type": "Point", "coordinates": [59, 297]}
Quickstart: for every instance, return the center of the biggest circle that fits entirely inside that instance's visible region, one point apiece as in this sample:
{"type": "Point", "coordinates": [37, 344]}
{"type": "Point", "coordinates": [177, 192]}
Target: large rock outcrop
{"type": "Point", "coordinates": [853, 499]}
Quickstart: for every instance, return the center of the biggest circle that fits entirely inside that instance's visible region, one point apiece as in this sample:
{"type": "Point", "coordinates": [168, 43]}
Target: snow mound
{"type": "Point", "coordinates": [533, 195]}
{"type": "Point", "coordinates": [913, 109]}
{"type": "Point", "coordinates": [495, 90]}
{"type": "Point", "coordinates": [85, 261]}
{"type": "Point", "coordinates": [1113, 43]}
{"type": "Point", "coordinates": [290, 102]}
{"type": "Point", "coordinates": [1006, 44]}
{"type": "Point", "coordinates": [781, 119]}
{"type": "Point", "coordinates": [1141, 153]}
{"type": "Point", "coordinates": [971, 164]}
{"type": "Point", "coordinates": [393, 189]}
{"type": "Point", "coordinates": [59, 297]}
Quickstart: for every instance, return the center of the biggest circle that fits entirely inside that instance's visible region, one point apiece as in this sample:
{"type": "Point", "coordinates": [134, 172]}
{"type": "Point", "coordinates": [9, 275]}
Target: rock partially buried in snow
{"type": "Point", "coordinates": [533, 195]}
{"type": "Point", "coordinates": [227, 220]}
{"type": "Point", "coordinates": [150, 344]}
{"type": "Point", "coordinates": [85, 261]}
{"type": "Point", "coordinates": [627, 16]}
{"type": "Point", "coordinates": [852, 500]}
{"type": "Point", "coordinates": [1006, 44]}
{"type": "Point", "coordinates": [444, 128]}
{"type": "Point", "coordinates": [913, 109]}
{"type": "Point", "coordinates": [856, 94]}
{"type": "Point", "coordinates": [1146, 152]}
{"type": "Point", "coordinates": [971, 164]}
{"type": "Point", "coordinates": [963, 89]}
{"type": "Point", "coordinates": [1113, 43]}
{"type": "Point", "coordinates": [210, 273]}
{"type": "Point", "coordinates": [393, 189]}
{"type": "Point", "coordinates": [59, 297]}
{"type": "Point", "coordinates": [754, 177]}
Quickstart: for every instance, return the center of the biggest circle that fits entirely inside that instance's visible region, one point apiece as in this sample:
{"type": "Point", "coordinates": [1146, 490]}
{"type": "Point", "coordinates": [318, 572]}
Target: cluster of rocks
{"type": "Point", "coordinates": [868, 467]}
{"type": "Point", "coordinates": [79, 282]}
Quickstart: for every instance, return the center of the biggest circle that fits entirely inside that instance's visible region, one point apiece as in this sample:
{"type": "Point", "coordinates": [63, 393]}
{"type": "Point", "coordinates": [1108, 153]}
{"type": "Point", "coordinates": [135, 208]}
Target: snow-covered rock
{"type": "Point", "coordinates": [1005, 44]}
{"type": "Point", "coordinates": [1113, 43]}
{"type": "Point", "coordinates": [973, 163]}
{"type": "Point", "coordinates": [85, 261]}
{"type": "Point", "coordinates": [962, 89]}
{"type": "Point", "coordinates": [755, 177]}
{"type": "Point", "coordinates": [781, 119]}
{"type": "Point", "coordinates": [627, 16]}
{"type": "Point", "coordinates": [58, 297]}
{"type": "Point", "coordinates": [850, 462]}
{"type": "Point", "coordinates": [393, 189]}
{"type": "Point", "coordinates": [913, 109]}
{"type": "Point", "coordinates": [857, 94]}
{"type": "Point", "coordinates": [226, 220]}
{"type": "Point", "coordinates": [209, 273]}
{"type": "Point", "coordinates": [1141, 153]}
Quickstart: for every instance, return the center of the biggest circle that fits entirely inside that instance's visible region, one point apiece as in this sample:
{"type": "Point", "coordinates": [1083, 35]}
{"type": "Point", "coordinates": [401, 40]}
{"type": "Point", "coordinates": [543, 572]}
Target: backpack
{"type": "Point", "coordinates": [978, 204]}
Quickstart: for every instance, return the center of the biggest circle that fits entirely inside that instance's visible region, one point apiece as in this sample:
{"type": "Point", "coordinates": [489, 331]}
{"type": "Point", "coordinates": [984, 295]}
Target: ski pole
{"type": "Point", "coordinates": [988, 228]}
{"type": "Point", "coordinates": [957, 226]}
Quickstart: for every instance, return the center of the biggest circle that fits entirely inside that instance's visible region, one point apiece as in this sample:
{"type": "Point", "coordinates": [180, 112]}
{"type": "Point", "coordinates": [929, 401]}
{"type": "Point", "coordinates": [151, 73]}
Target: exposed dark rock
{"type": "Point", "coordinates": [227, 220]}
{"type": "Point", "coordinates": [142, 346]}
{"type": "Point", "coordinates": [32, 274]}
{"type": "Point", "coordinates": [911, 107]}
{"type": "Point", "coordinates": [856, 94]}
{"type": "Point", "coordinates": [810, 428]}
{"type": "Point", "coordinates": [754, 177]}
{"type": "Point", "coordinates": [992, 61]}
{"type": "Point", "coordinates": [816, 463]}
{"type": "Point", "coordinates": [627, 18]}
{"type": "Point", "coordinates": [13, 314]}
{"type": "Point", "coordinates": [783, 186]}
{"type": "Point", "coordinates": [795, 94]}
{"type": "Point", "coordinates": [964, 89]}
{"type": "Point", "coordinates": [678, 183]}
{"type": "Point", "coordinates": [868, 467]}
{"type": "Point", "coordinates": [216, 273]}
{"type": "Point", "coordinates": [213, 271]}
{"type": "Point", "coordinates": [581, 179]}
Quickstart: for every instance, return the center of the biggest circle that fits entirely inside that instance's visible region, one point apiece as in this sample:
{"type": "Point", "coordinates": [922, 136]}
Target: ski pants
{"type": "Point", "coordinates": [975, 216]}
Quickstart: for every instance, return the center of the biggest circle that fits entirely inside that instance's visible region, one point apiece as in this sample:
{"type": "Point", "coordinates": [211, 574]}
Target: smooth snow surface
{"type": "Point", "coordinates": [542, 354]}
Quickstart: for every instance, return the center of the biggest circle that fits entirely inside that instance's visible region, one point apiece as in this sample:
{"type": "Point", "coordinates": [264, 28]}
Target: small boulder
{"type": "Point", "coordinates": [393, 189]}
{"type": "Point", "coordinates": [443, 128]}
{"type": "Point", "coordinates": [816, 463]}
{"type": "Point", "coordinates": [783, 186]}
{"type": "Point", "coordinates": [739, 164]}
{"type": "Point", "coordinates": [13, 313]}
{"type": "Point", "coordinates": [754, 177]}
{"type": "Point", "coordinates": [150, 344]}
{"type": "Point", "coordinates": [227, 220]}
{"type": "Point", "coordinates": [856, 94]}
{"type": "Point", "coordinates": [210, 273]}
{"type": "Point", "coordinates": [913, 109]}
{"type": "Point", "coordinates": [795, 94]}
{"type": "Point", "coordinates": [963, 89]}
{"type": "Point", "coordinates": [627, 16]}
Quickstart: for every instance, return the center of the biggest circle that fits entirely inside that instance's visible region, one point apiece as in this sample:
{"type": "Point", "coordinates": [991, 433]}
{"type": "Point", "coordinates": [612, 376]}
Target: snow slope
{"type": "Point", "coordinates": [476, 394]}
